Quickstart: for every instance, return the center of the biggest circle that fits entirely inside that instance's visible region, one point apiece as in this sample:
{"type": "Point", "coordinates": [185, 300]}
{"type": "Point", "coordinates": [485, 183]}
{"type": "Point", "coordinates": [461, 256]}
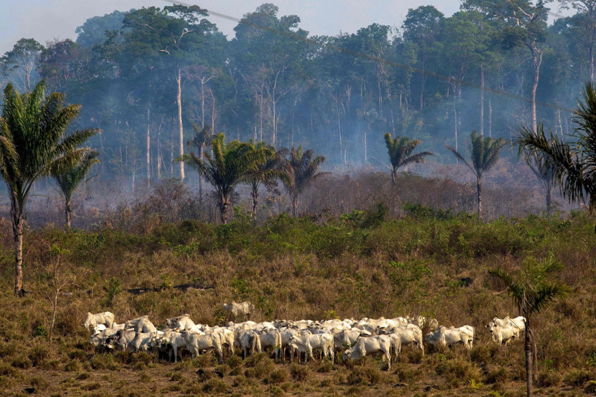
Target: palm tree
{"type": "Point", "coordinates": [225, 167]}
{"type": "Point", "coordinates": [300, 169]}
{"type": "Point", "coordinates": [34, 144]}
{"type": "Point", "coordinates": [484, 154]}
{"type": "Point", "coordinates": [69, 180]}
{"type": "Point", "coordinates": [201, 140]}
{"type": "Point", "coordinates": [571, 164]}
{"type": "Point", "coordinates": [264, 173]}
{"type": "Point", "coordinates": [531, 290]}
{"type": "Point", "coordinates": [400, 152]}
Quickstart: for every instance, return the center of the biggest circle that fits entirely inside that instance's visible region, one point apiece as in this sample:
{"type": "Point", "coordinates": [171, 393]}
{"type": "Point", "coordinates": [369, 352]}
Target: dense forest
{"type": "Point", "coordinates": [147, 77]}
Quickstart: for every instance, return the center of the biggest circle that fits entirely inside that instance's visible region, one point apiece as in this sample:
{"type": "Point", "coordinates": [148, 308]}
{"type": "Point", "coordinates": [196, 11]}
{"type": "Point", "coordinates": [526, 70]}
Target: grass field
{"type": "Point", "coordinates": [353, 266]}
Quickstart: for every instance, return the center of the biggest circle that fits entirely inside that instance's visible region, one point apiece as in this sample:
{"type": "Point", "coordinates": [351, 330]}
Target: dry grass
{"type": "Point", "coordinates": [295, 269]}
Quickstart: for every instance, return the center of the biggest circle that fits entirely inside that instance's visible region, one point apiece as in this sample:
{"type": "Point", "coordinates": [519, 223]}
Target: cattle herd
{"type": "Point", "coordinates": [283, 337]}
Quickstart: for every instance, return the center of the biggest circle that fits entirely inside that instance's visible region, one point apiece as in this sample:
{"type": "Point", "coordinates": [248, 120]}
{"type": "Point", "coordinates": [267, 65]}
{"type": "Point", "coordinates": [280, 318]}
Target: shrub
{"type": "Point", "coordinates": [22, 362]}
{"type": "Point", "coordinates": [577, 378]}
{"type": "Point", "coordinates": [278, 376]}
{"type": "Point", "coordinates": [39, 383]}
{"type": "Point", "coordinates": [548, 379]}
{"type": "Point", "coordinates": [497, 376]}
{"type": "Point", "coordinates": [364, 375]}
{"type": "Point", "coordinates": [299, 372]}
{"type": "Point", "coordinates": [215, 386]}
{"type": "Point", "coordinates": [325, 366]}
{"type": "Point", "coordinates": [73, 366]}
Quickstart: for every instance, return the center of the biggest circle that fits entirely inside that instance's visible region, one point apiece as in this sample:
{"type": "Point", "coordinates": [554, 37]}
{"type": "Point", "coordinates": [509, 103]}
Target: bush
{"type": "Point", "coordinates": [364, 375]}
{"type": "Point", "coordinates": [325, 366]}
{"type": "Point", "coordinates": [548, 379]}
{"type": "Point", "coordinates": [39, 383]}
{"type": "Point", "coordinates": [577, 378]}
{"type": "Point", "coordinates": [215, 386]}
{"type": "Point", "coordinates": [497, 376]}
{"type": "Point", "coordinates": [299, 372]}
{"type": "Point", "coordinates": [278, 376]}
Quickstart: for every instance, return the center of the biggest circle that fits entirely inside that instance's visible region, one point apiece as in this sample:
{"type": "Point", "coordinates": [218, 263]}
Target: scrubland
{"type": "Point", "coordinates": [364, 263]}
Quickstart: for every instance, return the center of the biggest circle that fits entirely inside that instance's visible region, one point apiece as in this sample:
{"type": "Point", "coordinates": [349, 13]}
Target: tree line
{"type": "Point", "coordinates": [146, 77]}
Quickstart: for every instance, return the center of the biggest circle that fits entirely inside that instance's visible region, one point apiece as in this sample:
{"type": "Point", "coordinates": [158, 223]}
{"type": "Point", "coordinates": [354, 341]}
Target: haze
{"type": "Point", "coordinates": [46, 20]}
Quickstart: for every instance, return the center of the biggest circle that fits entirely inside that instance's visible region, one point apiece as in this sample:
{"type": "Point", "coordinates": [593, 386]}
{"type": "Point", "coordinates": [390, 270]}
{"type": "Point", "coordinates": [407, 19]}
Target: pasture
{"type": "Point", "coordinates": [427, 263]}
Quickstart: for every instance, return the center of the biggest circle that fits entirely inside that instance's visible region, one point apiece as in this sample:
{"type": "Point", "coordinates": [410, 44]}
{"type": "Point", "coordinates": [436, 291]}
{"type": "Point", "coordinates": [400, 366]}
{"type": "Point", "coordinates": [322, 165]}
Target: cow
{"type": "Point", "coordinates": [450, 336]}
{"type": "Point", "coordinates": [181, 323]}
{"type": "Point", "coordinates": [141, 324]}
{"type": "Point", "coordinates": [92, 320]}
{"type": "Point", "coordinates": [249, 339]}
{"type": "Point", "coordinates": [502, 332]}
{"type": "Point", "coordinates": [195, 343]}
{"type": "Point", "coordinates": [271, 338]}
{"type": "Point", "coordinates": [408, 335]}
{"type": "Point", "coordinates": [171, 340]}
{"type": "Point", "coordinates": [305, 343]}
{"type": "Point", "coordinates": [236, 309]}
{"type": "Point", "coordinates": [379, 344]}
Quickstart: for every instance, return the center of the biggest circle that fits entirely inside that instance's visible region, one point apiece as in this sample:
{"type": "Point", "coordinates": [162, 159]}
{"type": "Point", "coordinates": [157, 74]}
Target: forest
{"type": "Point", "coordinates": [148, 78]}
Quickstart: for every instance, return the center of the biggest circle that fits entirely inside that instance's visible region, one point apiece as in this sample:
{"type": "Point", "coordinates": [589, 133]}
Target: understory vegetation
{"type": "Point", "coordinates": [360, 264]}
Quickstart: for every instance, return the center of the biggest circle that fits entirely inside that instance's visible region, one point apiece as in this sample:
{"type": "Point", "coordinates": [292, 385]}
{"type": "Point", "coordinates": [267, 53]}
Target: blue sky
{"type": "Point", "coordinates": [46, 20]}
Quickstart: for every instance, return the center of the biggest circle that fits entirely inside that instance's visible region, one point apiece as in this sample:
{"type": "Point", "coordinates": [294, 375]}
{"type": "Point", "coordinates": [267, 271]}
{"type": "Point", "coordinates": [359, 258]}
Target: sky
{"type": "Point", "coordinates": [48, 20]}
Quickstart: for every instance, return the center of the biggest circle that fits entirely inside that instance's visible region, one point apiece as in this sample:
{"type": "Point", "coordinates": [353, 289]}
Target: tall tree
{"type": "Point", "coordinates": [524, 23]}
{"type": "Point", "coordinates": [33, 144]}
{"type": "Point", "coordinates": [585, 21]}
{"type": "Point", "coordinates": [400, 152]}
{"type": "Point", "coordinates": [532, 290]}
{"type": "Point", "coordinates": [175, 32]}
{"type": "Point", "coordinates": [301, 169]}
{"type": "Point", "coordinates": [70, 179]}
{"type": "Point", "coordinates": [571, 164]}
{"type": "Point", "coordinates": [21, 61]}
{"type": "Point", "coordinates": [225, 167]}
{"type": "Point", "coordinates": [484, 154]}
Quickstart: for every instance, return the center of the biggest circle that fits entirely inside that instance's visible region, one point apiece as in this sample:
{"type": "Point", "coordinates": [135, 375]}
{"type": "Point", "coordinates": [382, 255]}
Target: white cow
{"type": "Point", "coordinates": [181, 323]}
{"type": "Point", "coordinates": [236, 309]}
{"type": "Point", "coordinates": [409, 335]}
{"type": "Point", "coordinates": [141, 324]}
{"type": "Point", "coordinates": [305, 343]}
{"type": "Point", "coordinates": [92, 320]}
{"type": "Point", "coordinates": [271, 338]}
{"type": "Point", "coordinates": [195, 343]}
{"type": "Point", "coordinates": [451, 336]}
{"type": "Point", "coordinates": [502, 332]}
{"type": "Point", "coordinates": [171, 340]}
{"type": "Point", "coordinates": [380, 344]}
{"type": "Point", "coordinates": [249, 339]}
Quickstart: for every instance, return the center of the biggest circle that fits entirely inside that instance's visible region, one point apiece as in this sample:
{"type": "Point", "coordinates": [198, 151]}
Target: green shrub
{"type": "Point", "coordinates": [278, 376]}
{"type": "Point", "coordinates": [215, 386]}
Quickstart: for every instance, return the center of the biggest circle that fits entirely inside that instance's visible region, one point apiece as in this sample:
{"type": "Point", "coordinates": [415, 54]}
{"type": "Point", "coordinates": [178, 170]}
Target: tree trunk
{"type": "Point", "coordinates": [223, 209]}
{"type": "Point", "coordinates": [490, 117]}
{"type": "Point", "coordinates": [180, 126]}
{"type": "Point", "coordinates": [528, 350]}
{"type": "Point", "coordinates": [479, 190]}
{"type": "Point", "coordinates": [393, 176]}
{"type": "Point", "coordinates": [67, 212]}
{"type": "Point", "coordinates": [455, 116]}
{"type": "Point", "coordinates": [294, 198]}
{"type": "Point", "coordinates": [17, 229]}
{"type": "Point", "coordinates": [201, 155]}
{"type": "Point", "coordinates": [537, 58]}
{"type": "Point", "coordinates": [482, 100]}
{"type": "Point", "coordinates": [148, 145]}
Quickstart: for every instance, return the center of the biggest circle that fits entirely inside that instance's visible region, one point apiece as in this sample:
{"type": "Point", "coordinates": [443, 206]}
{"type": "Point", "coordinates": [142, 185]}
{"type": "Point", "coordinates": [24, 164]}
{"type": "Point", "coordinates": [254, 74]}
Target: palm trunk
{"type": "Point", "coordinates": [223, 209]}
{"type": "Point", "coordinates": [592, 62]}
{"type": "Point", "coordinates": [180, 126]}
{"type": "Point", "coordinates": [294, 198]}
{"type": "Point", "coordinates": [67, 212]}
{"type": "Point", "coordinates": [548, 199]}
{"type": "Point", "coordinates": [16, 213]}
{"type": "Point", "coordinates": [479, 190]}
{"type": "Point", "coordinates": [393, 176]}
